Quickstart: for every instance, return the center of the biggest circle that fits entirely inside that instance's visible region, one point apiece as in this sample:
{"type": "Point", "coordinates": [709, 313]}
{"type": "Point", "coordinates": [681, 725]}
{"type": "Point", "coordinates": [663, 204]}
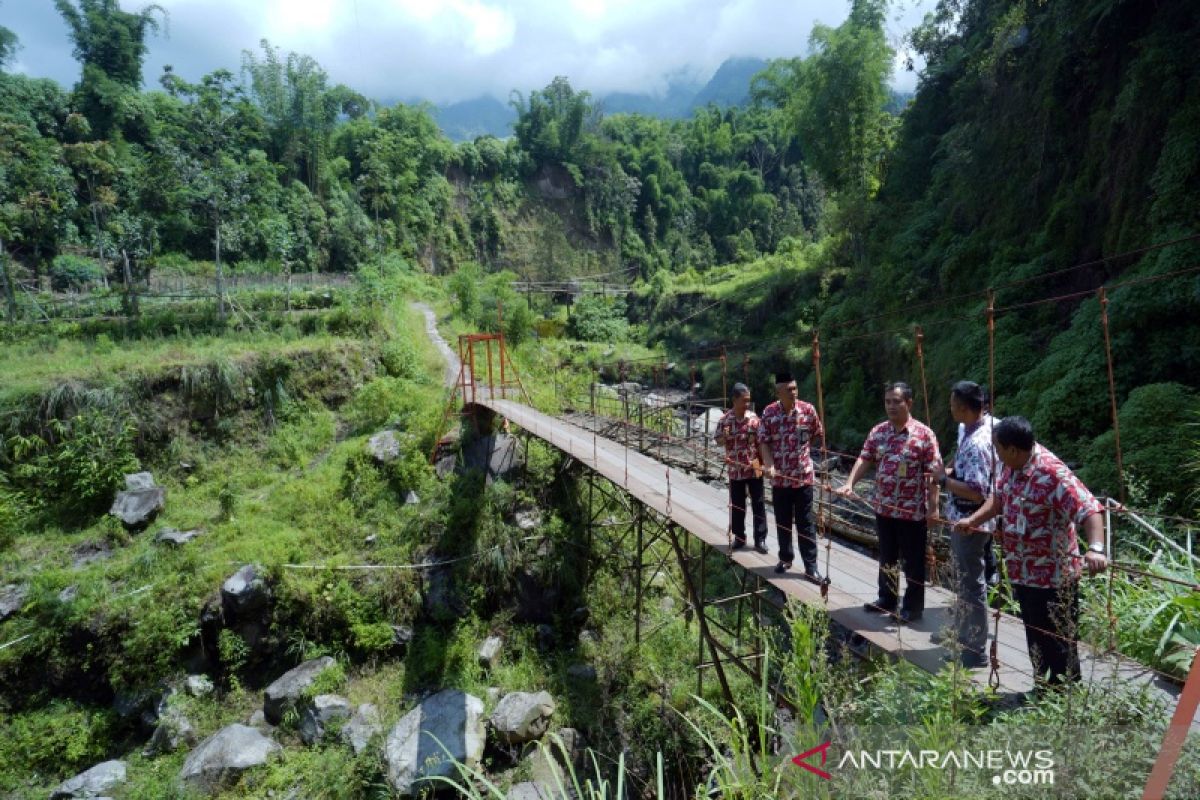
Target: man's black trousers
{"type": "Point", "coordinates": [793, 507]}
{"type": "Point", "coordinates": [1051, 618]}
{"type": "Point", "coordinates": [737, 509]}
{"type": "Point", "coordinates": [901, 540]}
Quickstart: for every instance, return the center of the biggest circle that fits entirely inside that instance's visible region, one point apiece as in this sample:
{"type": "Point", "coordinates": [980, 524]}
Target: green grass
{"type": "Point", "coordinates": [34, 367]}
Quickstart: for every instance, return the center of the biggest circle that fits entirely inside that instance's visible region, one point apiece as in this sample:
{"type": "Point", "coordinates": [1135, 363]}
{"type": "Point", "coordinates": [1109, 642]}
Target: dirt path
{"type": "Point", "coordinates": [452, 363]}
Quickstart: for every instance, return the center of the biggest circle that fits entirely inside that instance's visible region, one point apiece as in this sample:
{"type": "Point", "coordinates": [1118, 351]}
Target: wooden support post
{"type": "Point", "coordinates": [672, 533]}
{"type": "Point", "coordinates": [1177, 731]}
{"type": "Point", "coordinates": [491, 384]}
{"type": "Point", "coordinates": [638, 577]}
{"type": "Point", "coordinates": [641, 428]}
{"type": "Point", "coordinates": [700, 614]}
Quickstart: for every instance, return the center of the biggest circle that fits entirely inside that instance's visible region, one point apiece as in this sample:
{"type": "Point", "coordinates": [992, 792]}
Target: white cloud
{"type": "Point", "coordinates": [447, 50]}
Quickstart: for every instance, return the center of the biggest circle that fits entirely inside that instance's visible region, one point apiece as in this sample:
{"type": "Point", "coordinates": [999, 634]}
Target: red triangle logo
{"type": "Point", "coordinates": [802, 760]}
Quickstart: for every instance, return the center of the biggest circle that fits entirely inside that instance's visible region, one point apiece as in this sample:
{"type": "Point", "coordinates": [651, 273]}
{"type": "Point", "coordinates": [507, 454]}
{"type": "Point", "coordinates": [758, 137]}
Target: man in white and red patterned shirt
{"type": "Point", "coordinates": [1043, 504]}
{"type": "Point", "coordinates": [789, 428]}
{"type": "Point", "coordinates": [967, 486]}
{"type": "Point", "coordinates": [737, 432]}
{"type": "Point", "coordinates": [905, 455]}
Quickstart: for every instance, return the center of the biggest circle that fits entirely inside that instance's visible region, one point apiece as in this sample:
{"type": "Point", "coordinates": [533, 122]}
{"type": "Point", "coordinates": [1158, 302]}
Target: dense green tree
{"type": "Point", "coordinates": [840, 99]}
{"type": "Point", "coordinates": [37, 194]}
{"type": "Point", "coordinates": [8, 46]}
{"type": "Point", "coordinates": [110, 45]}
{"type": "Point", "coordinates": [299, 108]}
{"type": "Point", "coordinates": [215, 178]}
{"type": "Point", "coordinates": [551, 123]}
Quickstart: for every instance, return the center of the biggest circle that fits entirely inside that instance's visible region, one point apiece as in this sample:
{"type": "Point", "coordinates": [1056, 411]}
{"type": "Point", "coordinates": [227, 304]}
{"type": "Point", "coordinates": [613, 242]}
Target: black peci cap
{"type": "Point", "coordinates": [783, 376]}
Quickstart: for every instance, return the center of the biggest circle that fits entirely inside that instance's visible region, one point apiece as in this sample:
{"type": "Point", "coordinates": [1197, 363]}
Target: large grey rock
{"type": "Point", "coordinates": [496, 455]}
{"type": "Point", "coordinates": [323, 710]}
{"type": "Point", "coordinates": [289, 688]}
{"type": "Point", "coordinates": [446, 727]}
{"type": "Point", "coordinates": [529, 519]}
{"type": "Point", "coordinates": [12, 597]}
{"type": "Point", "coordinates": [92, 783]}
{"type": "Point", "coordinates": [140, 481]}
{"type": "Point", "coordinates": [531, 790]}
{"type": "Point", "coordinates": [445, 466]}
{"type": "Point", "coordinates": [489, 651]}
{"type": "Point", "coordinates": [177, 537]}
{"type": "Point", "coordinates": [133, 703]}
{"type": "Point", "coordinates": [522, 716]}
{"type": "Point", "coordinates": [174, 730]}
{"type": "Point", "coordinates": [384, 446]}
{"type": "Point", "coordinates": [198, 685]}
{"type": "Point", "coordinates": [221, 758]}
{"type": "Point", "coordinates": [550, 759]}
{"type": "Point", "coordinates": [140, 502]}
{"type": "Point", "coordinates": [87, 552]}
{"type": "Point", "coordinates": [605, 392]}
{"type": "Point", "coordinates": [245, 590]}
{"type": "Point", "coordinates": [359, 729]}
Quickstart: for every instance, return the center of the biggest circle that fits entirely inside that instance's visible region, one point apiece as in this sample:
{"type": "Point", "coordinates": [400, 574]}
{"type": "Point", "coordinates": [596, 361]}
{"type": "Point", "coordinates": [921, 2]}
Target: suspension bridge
{"type": "Point", "coordinates": [670, 505]}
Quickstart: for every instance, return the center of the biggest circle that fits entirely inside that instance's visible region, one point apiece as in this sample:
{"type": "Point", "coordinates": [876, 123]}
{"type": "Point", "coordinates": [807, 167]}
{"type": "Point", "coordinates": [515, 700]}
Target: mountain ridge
{"type": "Point", "coordinates": [729, 85]}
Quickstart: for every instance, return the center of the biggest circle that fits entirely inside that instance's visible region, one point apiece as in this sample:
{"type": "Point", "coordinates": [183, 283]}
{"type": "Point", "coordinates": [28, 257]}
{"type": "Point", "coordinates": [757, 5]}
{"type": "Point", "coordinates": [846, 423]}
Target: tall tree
{"type": "Point", "coordinates": [8, 45]}
{"type": "Point", "coordinates": [551, 124]}
{"type": "Point", "coordinates": [216, 181]}
{"type": "Point", "coordinates": [299, 107]}
{"type": "Point", "coordinates": [841, 98]}
{"type": "Point", "coordinates": [110, 44]}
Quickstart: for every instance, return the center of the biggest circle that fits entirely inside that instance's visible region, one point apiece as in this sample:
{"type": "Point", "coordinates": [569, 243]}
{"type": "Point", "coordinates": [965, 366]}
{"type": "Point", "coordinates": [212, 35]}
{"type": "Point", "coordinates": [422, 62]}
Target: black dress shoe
{"type": "Point", "coordinates": [879, 607]}
{"type": "Point", "coordinates": [814, 575]}
{"type": "Point", "coordinates": [906, 617]}
{"type": "Point", "coordinates": [783, 566]}
{"type": "Point", "coordinates": [761, 547]}
{"type": "Point", "coordinates": [973, 660]}
{"type": "Point", "coordinates": [738, 544]}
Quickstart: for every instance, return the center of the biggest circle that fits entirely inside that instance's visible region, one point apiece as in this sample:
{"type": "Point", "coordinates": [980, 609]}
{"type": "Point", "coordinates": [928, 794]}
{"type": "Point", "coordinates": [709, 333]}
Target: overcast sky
{"type": "Point", "coordinates": [451, 50]}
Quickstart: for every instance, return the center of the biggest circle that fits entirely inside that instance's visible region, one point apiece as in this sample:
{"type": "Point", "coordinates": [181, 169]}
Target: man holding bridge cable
{"type": "Point", "coordinates": [737, 432]}
{"type": "Point", "coordinates": [905, 455]}
{"type": "Point", "coordinates": [1043, 503]}
{"type": "Point", "coordinates": [967, 485]}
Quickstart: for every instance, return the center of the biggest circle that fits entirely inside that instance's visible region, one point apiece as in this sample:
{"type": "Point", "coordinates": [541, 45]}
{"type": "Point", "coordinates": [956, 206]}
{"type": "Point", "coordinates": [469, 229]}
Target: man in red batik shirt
{"type": "Point", "coordinates": [905, 455]}
{"type": "Point", "coordinates": [1043, 504]}
{"type": "Point", "coordinates": [789, 428]}
{"type": "Point", "coordinates": [737, 432]}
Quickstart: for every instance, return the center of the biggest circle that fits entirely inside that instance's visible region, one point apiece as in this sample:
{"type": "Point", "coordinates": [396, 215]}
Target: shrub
{"type": "Point", "coordinates": [81, 463]}
{"type": "Point", "coordinates": [53, 741]}
{"type": "Point", "coordinates": [399, 358]}
{"type": "Point", "coordinates": [1152, 448]}
{"type": "Point", "coordinates": [12, 515]}
{"type": "Point", "coordinates": [595, 319]}
{"type": "Point", "coordinates": [383, 401]}
{"type": "Point", "coordinates": [72, 273]}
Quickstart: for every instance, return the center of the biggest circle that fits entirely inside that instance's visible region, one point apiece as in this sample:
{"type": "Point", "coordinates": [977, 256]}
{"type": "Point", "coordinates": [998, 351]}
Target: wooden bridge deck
{"type": "Point", "coordinates": [700, 509]}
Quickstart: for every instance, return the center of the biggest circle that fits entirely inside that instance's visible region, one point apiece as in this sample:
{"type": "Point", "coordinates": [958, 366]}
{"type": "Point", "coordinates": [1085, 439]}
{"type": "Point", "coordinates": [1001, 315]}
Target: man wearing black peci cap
{"type": "Point", "coordinates": [788, 429]}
